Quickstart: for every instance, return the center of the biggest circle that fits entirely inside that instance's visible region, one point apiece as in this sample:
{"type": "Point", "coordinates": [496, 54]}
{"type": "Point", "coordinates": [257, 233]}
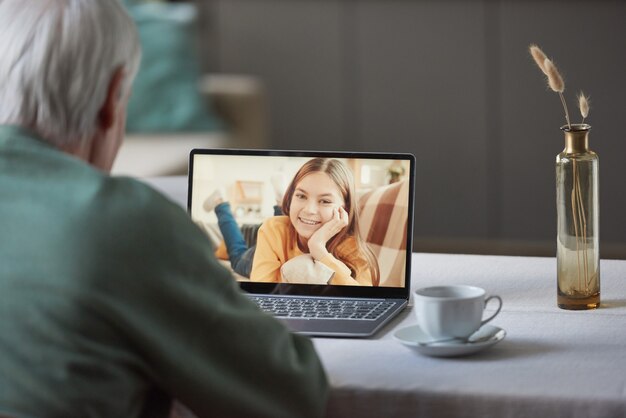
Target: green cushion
{"type": "Point", "coordinates": [165, 95]}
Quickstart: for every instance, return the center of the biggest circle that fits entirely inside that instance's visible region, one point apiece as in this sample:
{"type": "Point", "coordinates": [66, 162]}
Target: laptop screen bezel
{"type": "Point", "coordinates": [323, 290]}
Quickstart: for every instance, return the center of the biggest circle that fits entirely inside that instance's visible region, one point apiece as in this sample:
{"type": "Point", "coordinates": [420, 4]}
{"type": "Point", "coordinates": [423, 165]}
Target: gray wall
{"type": "Point", "coordinates": [452, 82]}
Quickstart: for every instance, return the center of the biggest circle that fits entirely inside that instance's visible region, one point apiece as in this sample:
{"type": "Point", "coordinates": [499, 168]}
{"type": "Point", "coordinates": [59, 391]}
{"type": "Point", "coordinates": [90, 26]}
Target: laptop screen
{"type": "Point", "coordinates": [307, 222]}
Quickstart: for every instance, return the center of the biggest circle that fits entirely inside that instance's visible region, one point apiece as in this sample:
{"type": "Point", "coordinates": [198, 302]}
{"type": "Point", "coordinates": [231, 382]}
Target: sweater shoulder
{"type": "Point", "coordinates": [276, 225]}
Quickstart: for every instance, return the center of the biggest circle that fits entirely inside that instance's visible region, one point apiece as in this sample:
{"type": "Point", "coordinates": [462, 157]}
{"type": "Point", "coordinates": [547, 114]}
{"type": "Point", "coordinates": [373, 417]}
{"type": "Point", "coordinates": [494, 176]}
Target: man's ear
{"type": "Point", "coordinates": [109, 133]}
{"type": "Point", "coordinates": [108, 111]}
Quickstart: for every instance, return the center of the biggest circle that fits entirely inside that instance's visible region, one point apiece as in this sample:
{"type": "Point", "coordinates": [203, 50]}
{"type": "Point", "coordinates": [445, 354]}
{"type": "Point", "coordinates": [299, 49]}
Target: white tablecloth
{"type": "Point", "coordinates": [553, 363]}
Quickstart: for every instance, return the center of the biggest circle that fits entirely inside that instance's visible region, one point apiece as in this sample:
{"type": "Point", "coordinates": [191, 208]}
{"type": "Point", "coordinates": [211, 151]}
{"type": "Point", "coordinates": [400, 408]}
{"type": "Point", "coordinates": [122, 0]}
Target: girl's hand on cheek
{"type": "Point", "coordinates": [317, 242]}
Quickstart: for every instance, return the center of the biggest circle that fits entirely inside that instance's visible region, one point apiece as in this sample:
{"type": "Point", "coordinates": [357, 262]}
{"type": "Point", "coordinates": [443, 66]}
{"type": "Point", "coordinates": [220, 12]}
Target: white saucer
{"type": "Point", "coordinates": [412, 336]}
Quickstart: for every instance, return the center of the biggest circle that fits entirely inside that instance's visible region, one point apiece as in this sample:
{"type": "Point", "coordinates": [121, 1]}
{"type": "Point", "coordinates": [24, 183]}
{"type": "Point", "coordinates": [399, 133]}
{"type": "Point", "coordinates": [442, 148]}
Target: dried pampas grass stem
{"type": "Point", "coordinates": [556, 83]}
{"type": "Point", "coordinates": [583, 105]}
{"type": "Point", "coordinates": [539, 57]}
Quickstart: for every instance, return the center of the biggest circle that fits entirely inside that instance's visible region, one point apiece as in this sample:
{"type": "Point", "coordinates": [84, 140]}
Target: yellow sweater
{"type": "Point", "coordinates": [276, 244]}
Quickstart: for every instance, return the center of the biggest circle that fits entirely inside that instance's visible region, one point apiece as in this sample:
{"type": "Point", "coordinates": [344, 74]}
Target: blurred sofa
{"type": "Point", "coordinates": [174, 107]}
{"type": "Point", "coordinates": [379, 208]}
{"type": "Point", "coordinates": [238, 100]}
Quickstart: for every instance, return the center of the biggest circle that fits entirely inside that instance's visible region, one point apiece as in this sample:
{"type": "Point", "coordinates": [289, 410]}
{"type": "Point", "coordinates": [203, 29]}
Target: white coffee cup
{"type": "Point", "coordinates": [452, 311]}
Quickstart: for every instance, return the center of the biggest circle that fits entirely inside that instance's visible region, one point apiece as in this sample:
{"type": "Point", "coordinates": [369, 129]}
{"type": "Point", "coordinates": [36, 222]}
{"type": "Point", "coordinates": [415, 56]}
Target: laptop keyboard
{"type": "Point", "coordinates": [308, 308]}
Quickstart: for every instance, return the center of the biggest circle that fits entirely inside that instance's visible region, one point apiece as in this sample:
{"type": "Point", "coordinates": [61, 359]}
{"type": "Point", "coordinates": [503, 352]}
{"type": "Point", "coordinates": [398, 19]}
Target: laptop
{"type": "Point", "coordinates": [345, 284]}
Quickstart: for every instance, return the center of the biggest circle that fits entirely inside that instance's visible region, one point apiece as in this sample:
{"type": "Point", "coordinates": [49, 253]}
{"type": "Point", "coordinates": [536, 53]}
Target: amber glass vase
{"type": "Point", "coordinates": [578, 234]}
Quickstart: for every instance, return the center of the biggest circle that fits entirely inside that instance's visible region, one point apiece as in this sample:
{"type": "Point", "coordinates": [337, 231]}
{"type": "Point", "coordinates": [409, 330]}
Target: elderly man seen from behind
{"type": "Point", "coordinates": [111, 302]}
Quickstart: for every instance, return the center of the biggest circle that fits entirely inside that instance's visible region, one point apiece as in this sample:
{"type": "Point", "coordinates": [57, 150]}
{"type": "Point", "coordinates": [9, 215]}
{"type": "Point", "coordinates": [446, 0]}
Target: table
{"type": "Point", "coordinates": [553, 363]}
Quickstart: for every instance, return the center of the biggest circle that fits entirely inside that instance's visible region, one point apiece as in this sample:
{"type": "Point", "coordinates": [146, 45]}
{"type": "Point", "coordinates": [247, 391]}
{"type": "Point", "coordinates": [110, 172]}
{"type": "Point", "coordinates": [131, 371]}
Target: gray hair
{"type": "Point", "coordinates": [57, 58]}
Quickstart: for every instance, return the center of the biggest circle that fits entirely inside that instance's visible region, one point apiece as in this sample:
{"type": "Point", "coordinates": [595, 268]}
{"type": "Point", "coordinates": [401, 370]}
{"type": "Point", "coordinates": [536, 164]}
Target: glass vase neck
{"type": "Point", "coordinates": [576, 138]}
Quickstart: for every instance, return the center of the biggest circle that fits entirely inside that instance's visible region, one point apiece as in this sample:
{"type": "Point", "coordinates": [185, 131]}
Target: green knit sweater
{"type": "Point", "coordinates": [112, 304]}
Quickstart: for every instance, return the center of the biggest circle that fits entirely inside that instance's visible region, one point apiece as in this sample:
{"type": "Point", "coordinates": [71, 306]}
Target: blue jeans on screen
{"type": "Point", "coordinates": [239, 254]}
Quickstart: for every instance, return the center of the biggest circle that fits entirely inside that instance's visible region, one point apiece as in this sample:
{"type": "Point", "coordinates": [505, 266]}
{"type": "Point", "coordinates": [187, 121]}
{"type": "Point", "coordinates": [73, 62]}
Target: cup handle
{"type": "Point", "coordinates": [484, 321]}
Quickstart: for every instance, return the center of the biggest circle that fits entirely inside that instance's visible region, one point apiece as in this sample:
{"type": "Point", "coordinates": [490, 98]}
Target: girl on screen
{"type": "Point", "coordinates": [317, 240]}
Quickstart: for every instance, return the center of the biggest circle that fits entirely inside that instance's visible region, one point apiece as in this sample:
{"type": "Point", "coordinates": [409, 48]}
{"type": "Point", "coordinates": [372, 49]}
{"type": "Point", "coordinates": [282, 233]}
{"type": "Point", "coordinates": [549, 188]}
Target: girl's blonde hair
{"type": "Point", "coordinates": [342, 177]}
